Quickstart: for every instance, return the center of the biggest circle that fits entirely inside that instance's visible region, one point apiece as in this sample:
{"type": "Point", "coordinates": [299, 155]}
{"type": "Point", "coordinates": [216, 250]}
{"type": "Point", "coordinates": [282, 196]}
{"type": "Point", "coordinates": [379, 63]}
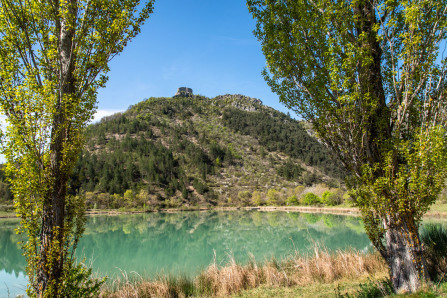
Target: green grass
{"type": "Point", "coordinates": [439, 207]}
{"type": "Point", "coordinates": [345, 287]}
{"type": "Point", "coordinates": [7, 211]}
{"type": "Point", "coordinates": [369, 287]}
{"type": "Point", "coordinates": [7, 214]}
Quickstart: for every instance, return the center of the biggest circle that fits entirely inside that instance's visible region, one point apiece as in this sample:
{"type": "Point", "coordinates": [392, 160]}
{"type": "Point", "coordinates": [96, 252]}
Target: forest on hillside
{"type": "Point", "coordinates": [173, 152]}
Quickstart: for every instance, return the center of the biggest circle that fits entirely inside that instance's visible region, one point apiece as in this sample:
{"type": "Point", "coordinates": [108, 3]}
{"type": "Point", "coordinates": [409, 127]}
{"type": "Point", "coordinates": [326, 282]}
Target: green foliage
{"type": "Point", "coordinates": [78, 282]}
{"type": "Point", "coordinates": [292, 201]}
{"type": "Point", "coordinates": [5, 187]}
{"type": "Point", "coordinates": [272, 197]}
{"type": "Point", "coordinates": [244, 197]}
{"type": "Point", "coordinates": [331, 198]}
{"type": "Point", "coordinates": [290, 170]}
{"type": "Point", "coordinates": [371, 97]}
{"type": "Point", "coordinates": [54, 58]}
{"type": "Point", "coordinates": [200, 187]}
{"type": "Point", "coordinates": [280, 133]}
{"type": "Point", "coordinates": [311, 218]}
{"type": "Point", "coordinates": [348, 198]}
{"type": "Point", "coordinates": [128, 195]}
{"type": "Point", "coordinates": [181, 287]}
{"type": "Point", "coordinates": [370, 289]}
{"type": "Point", "coordinates": [310, 178]}
{"type": "Point", "coordinates": [221, 154]}
{"type": "Point", "coordinates": [299, 190]}
{"type": "Point", "coordinates": [155, 147]}
{"type": "Point", "coordinates": [256, 198]}
{"type": "Point", "coordinates": [126, 166]}
{"type": "Point", "coordinates": [310, 199]}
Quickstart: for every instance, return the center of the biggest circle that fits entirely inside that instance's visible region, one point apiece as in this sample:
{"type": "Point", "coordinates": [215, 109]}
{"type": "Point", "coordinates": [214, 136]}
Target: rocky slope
{"type": "Point", "coordinates": [198, 151]}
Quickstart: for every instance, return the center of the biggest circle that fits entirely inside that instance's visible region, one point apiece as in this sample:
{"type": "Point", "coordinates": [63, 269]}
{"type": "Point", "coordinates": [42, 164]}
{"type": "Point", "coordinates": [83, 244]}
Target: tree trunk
{"type": "Point", "coordinates": [373, 109]}
{"type": "Point", "coordinates": [53, 233]}
{"type": "Point", "coordinates": [402, 248]}
{"type": "Point", "coordinates": [404, 255]}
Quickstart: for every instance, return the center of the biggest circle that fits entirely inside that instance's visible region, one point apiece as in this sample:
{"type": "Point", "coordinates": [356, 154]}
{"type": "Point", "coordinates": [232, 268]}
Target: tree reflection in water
{"type": "Point", "coordinates": [185, 243]}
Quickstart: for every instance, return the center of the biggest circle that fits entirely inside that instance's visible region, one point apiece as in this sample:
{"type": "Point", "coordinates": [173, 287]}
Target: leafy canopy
{"type": "Point", "coordinates": [371, 78]}
{"type": "Point", "coordinates": [374, 90]}
{"type": "Point", "coordinates": [53, 58]}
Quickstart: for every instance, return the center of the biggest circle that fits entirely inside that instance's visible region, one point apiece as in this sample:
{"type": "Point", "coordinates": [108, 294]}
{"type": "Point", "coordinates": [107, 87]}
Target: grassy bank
{"type": "Point", "coordinates": [343, 274]}
{"type": "Point", "coordinates": [7, 211]}
{"type": "Point", "coordinates": [320, 274]}
{"type": "Point", "coordinates": [297, 275]}
{"type": "Point", "coordinates": [438, 209]}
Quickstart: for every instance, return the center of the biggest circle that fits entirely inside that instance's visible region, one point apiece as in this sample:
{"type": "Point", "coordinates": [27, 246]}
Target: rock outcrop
{"type": "Point", "coordinates": [242, 102]}
{"type": "Point", "coordinates": [184, 92]}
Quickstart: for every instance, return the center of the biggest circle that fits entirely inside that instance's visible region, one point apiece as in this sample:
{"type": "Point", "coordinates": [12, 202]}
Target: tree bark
{"type": "Point", "coordinates": [53, 234]}
{"type": "Point", "coordinates": [374, 111]}
{"type": "Point", "coordinates": [405, 255]}
{"type": "Point", "coordinates": [402, 248]}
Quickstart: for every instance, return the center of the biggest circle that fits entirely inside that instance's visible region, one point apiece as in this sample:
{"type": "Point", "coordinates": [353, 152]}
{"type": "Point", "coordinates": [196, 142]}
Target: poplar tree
{"type": "Point", "coordinates": [54, 56]}
{"type": "Point", "coordinates": [370, 76]}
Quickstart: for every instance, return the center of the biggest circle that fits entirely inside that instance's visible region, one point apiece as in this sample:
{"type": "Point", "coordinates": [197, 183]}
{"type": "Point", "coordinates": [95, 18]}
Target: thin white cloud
{"type": "Point", "coordinates": [98, 115]}
{"type": "Point", "coordinates": [103, 113]}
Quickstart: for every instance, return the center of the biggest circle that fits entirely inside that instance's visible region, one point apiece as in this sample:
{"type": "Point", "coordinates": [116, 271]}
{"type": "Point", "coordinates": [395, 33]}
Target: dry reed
{"type": "Point", "coordinates": [297, 270]}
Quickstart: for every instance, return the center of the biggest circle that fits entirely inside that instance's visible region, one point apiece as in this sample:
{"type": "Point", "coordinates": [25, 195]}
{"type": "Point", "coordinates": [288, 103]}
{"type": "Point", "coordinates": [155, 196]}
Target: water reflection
{"type": "Point", "coordinates": [11, 259]}
{"type": "Point", "coordinates": [185, 243]}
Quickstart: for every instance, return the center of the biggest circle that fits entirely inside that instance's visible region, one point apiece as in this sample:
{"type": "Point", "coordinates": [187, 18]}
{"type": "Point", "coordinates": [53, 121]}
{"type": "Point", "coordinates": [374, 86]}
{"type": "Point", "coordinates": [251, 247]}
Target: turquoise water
{"type": "Point", "coordinates": [185, 243]}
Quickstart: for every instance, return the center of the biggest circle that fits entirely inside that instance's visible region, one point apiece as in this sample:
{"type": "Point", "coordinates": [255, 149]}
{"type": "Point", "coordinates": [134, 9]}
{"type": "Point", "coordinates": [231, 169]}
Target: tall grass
{"type": "Point", "coordinates": [434, 237]}
{"type": "Point", "coordinates": [322, 266]}
{"type": "Point", "coordinates": [136, 286]}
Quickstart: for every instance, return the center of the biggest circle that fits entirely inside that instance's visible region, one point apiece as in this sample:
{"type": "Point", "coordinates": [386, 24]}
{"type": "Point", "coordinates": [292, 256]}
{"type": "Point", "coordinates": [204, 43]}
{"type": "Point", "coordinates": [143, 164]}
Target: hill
{"type": "Point", "coordinates": [198, 151]}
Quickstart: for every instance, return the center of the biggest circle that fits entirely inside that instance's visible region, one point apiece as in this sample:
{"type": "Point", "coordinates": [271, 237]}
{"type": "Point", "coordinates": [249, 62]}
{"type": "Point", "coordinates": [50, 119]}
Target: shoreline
{"type": "Point", "coordinates": [348, 211]}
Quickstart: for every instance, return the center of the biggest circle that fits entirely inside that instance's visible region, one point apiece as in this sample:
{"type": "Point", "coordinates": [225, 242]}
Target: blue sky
{"type": "Point", "coordinates": [207, 45]}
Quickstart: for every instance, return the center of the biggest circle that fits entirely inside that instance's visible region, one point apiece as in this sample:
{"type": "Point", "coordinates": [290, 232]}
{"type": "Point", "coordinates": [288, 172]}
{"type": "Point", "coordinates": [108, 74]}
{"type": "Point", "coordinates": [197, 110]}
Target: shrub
{"type": "Point", "coordinates": [128, 196]}
{"type": "Point", "coordinates": [292, 201]}
{"type": "Point", "coordinates": [272, 197]}
{"type": "Point", "coordinates": [331, 198]}
{"type": "Point", "coordinates": [256, 198]}
{"type": "Point", "coordinates": [326, 198]}
{"type": "Point", "coordinates": [348, 199]}
{"type": "Point", "coordinates": [103, 199]}
{"type": "Point", "coordinates": [79, 281]}
{"type": "Point", "coordinates": [244, 197]}
{"type": "Point", "coordinates": [142, 197]}
{"type": "Point", "coordinates": [310, 199]}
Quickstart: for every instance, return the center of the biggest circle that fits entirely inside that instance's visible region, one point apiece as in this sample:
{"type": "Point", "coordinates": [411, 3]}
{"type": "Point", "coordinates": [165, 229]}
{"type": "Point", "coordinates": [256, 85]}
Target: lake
{"type": "Point", "coordinates": [185, 243]}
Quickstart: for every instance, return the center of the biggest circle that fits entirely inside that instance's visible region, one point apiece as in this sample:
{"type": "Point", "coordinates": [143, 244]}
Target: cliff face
{"type": "Point", "coordinates": [198, 151]}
